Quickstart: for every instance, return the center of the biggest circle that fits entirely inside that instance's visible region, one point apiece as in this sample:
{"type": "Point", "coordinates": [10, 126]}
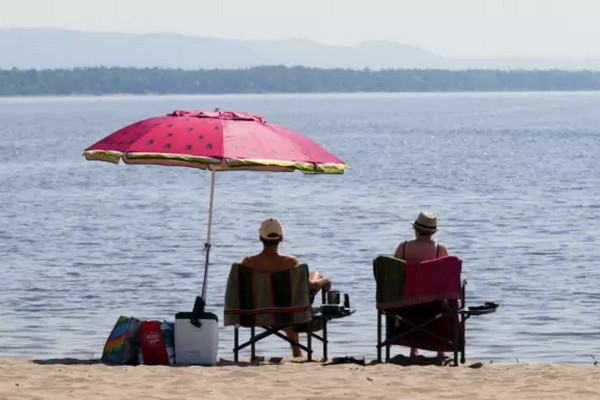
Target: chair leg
{"type": "Point", "coordinates": [463, 321]}
{"type": "Point", "coordinates": [462, 341]}
{"type": "Point", "coordinates": [309, 342]}
{"type": "Point", "coordinates": [456, 339]}
{"type": "Point", "coordinates": [325, 341]}
{"type": "Point", "coordinates": [378, 336]}
{"type": "Point", "coordinates": [387, 332]}
{"type": "Point", "coordinates": [252, 346]}
{"type": "Point", "coordinates": [236, 342]}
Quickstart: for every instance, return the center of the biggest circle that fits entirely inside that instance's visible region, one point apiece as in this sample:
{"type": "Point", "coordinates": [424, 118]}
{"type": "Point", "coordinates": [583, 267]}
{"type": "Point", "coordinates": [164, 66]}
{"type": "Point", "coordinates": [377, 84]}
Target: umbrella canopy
{"type": "Point", "coordinates": [217, 141]}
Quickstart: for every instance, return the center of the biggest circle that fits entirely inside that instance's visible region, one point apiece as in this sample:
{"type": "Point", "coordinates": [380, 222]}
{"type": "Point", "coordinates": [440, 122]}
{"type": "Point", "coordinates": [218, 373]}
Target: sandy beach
{"type": "Point", "coordinates": [75, 379]}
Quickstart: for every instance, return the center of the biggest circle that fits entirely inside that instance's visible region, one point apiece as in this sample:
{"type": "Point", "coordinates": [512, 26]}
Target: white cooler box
{"type": "Point", "coordinates": [196, 345]}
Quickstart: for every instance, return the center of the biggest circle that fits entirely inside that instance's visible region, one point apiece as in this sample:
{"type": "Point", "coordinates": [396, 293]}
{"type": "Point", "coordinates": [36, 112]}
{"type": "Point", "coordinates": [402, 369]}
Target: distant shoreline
{"type": "Point", "coordinates": [125, 96]}
{"type": "Point", "coordinates": [100, 81]}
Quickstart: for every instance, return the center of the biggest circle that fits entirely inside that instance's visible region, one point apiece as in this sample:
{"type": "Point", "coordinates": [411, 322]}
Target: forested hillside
{"type": "Point", "coordinates": [279, 79]}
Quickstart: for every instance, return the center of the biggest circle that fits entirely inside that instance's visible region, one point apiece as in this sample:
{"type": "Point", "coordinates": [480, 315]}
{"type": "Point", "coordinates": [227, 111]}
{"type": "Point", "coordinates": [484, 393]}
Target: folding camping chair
{"type": "Point", "coordinates": [423, 305]}
{"type": "Point", "coordinates": [273, 301]}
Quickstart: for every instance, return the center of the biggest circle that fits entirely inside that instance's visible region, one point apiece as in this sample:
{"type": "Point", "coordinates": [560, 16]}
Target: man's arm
{"type": "Point", "coordinates": [291, 261]}
{"type": "Point", "coordinates": [317, 281]}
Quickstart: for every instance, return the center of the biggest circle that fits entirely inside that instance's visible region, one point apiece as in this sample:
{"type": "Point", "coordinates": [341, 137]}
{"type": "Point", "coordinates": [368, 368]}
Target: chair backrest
{"type": "Point", "coordinates": [255, 298]}
{"type": "Point", "coordinates": [402, 284]}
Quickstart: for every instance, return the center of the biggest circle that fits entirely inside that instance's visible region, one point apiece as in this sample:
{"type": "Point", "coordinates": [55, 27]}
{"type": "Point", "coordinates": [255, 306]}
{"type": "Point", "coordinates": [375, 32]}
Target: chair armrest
{"type": "Point", "coordinates": [487, 308]}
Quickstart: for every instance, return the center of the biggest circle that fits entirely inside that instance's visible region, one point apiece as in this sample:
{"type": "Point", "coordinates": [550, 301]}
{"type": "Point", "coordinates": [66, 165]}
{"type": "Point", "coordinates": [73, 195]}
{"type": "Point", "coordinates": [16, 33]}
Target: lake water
{"type": "Point", "coordinates": [514, 178]}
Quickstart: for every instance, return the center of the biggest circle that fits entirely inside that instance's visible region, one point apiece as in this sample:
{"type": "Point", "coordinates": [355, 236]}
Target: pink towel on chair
{"type": "Point", "coordinates": [434, 280]}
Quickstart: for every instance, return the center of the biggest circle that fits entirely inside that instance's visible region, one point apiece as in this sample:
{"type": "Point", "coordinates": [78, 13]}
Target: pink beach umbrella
{"type": "Point", "coordinates": [215, 141]}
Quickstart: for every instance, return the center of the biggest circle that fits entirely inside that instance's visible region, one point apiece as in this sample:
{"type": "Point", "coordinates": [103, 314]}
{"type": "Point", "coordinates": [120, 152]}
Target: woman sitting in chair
{"type": "Point", "coordinates": [269, 260]}
{"type": "Point", "coordinates": [422, 248]}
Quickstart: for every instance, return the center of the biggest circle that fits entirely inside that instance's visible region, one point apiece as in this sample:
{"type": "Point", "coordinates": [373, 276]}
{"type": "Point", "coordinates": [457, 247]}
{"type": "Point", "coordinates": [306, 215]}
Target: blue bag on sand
{"type": "Point", "coordinates": [123, 342]}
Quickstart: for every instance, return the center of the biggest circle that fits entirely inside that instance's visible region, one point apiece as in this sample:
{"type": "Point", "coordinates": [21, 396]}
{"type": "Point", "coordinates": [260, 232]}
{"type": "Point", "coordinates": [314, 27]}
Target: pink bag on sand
{"type": "Point", "coordinates": [156, 343]}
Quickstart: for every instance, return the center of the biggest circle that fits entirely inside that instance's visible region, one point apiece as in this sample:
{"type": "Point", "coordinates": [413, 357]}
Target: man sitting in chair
{"type": "Point", "coordinates": [269, 260]}
{"type": "Point", "coordinates": [422, 248]}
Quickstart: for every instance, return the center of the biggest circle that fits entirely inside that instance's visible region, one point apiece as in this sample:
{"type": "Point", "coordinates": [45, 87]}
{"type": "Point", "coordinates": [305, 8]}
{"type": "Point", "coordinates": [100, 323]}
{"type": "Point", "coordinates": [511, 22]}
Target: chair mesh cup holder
{"type": "Point", "coordinates": [332, 305]}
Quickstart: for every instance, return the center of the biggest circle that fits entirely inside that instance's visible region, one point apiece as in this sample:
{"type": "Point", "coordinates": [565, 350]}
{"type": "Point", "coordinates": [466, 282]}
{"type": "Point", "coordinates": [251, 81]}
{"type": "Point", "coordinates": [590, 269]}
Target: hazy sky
{"type": "Point", "coordinates": [447, 27]}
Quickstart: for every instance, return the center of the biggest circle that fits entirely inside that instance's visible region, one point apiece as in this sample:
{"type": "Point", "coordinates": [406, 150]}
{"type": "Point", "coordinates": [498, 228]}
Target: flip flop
{"type": "Point", "coordinates": [346, 360]}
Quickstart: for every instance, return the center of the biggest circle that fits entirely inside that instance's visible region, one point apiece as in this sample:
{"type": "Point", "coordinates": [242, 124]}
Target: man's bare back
{"type": "Point", "coordinates": [270, 262]}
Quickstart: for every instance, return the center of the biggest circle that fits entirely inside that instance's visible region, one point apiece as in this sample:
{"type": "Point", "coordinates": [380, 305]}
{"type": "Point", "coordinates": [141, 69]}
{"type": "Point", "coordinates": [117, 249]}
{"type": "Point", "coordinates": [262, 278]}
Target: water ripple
{"type": "Point", "coordinates": [514, 179]}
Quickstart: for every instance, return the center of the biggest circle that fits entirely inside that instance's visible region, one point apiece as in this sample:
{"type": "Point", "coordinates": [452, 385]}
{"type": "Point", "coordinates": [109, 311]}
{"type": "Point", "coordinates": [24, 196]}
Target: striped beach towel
{"type": "Point", "coordinates": [265, 299]}
{"type": "Point", "coordinates": [122, 344]}
{"type": "Point", "coordinates": [401, 284]}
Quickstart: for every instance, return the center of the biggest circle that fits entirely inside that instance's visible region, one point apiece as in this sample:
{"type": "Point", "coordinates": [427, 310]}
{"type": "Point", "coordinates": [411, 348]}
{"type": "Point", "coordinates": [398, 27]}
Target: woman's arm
{"type": "Point", "coordinates": [400, 251]}
{"type": "Point", "coordinates": [443, 250]}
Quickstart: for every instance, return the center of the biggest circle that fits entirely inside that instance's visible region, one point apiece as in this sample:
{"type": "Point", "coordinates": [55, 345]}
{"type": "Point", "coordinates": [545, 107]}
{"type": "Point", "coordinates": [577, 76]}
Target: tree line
{"type": "Point", "coordinates": [280, 79]}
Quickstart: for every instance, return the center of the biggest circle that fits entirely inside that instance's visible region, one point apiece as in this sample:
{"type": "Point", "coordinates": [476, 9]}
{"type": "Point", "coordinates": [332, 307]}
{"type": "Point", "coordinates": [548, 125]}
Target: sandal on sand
{"type": "Point", "coordinates": [346, 360]}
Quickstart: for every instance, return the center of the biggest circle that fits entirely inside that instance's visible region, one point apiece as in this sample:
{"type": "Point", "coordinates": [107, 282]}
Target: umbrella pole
{"type": "Point", "coordinates": [207, 244]}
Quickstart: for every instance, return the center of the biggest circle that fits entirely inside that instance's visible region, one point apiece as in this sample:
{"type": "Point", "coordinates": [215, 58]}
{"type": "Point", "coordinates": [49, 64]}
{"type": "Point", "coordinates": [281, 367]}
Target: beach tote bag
{"type": "Point", "coordinates": [122, 344]}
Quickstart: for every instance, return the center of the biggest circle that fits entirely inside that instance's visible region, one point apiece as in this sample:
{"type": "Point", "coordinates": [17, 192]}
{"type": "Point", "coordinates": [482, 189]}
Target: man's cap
{"type": "Point", "coordinates": [270, 229]}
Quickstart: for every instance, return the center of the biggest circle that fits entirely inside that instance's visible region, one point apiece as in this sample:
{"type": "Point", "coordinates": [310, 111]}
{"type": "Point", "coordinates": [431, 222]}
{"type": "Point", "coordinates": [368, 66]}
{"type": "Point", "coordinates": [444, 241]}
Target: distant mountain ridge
{"type": "Point", "coordinates": [40, 48]}
{"type": "Point", "coordinates": [56, 48]}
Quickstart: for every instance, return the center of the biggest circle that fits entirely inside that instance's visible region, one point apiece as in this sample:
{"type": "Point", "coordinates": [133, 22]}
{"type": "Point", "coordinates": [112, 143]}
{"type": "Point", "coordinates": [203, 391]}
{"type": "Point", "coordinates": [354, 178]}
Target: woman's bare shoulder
{"type": "Point", "coordinates": [400, 250]}
{"type": "Point", "coordinates": [443, 248]}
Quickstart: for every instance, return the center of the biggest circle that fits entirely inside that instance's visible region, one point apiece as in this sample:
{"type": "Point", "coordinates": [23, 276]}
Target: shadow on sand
{"type": "Point", "coordinates": [66, 361]}
{"type": "Point", "coordinates": [420, 360]}
{"type": "Point", "coordinates": [397, 360]}
{"type": "Point", "coordinates": [221, 363]}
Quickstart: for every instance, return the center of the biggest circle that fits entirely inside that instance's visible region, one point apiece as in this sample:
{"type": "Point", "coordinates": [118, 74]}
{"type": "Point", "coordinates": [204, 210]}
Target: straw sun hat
{"type": "Point", "coordinates": [426, 222]}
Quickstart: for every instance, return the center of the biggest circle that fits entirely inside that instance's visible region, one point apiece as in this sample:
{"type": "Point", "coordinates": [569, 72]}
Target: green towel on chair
{"type": "Point", "coordinates": [260, 298]}
{"type": "Point", "coordinates": [390, 274]}
{"type": "Point", "coordinates": [401, 284]}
